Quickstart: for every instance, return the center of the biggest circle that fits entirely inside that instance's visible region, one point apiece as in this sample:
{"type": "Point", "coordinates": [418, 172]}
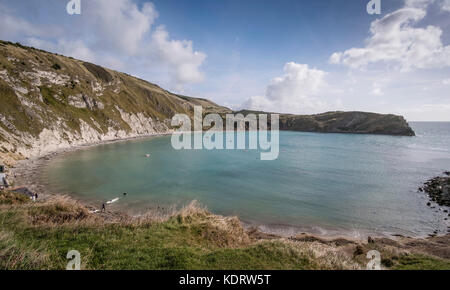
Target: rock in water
{"type": "Point", "coordinates": [438, 189]}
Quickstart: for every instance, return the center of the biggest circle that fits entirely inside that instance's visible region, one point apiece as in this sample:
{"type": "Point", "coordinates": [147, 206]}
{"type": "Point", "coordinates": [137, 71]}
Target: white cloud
{"type": "Point", "coordinates": [116, 34]}
{"type": "Point", "coordinates": [183, 60]}
{"type": "Point", "coordinates": [396, 41]}
{"type": "Point", "coordinates": [294, 92]}
{"type": "Point", "coordinates": [74, 48]}
{"type": "Point", "coordinates": [418, 3]}
{"type": "Point", "coordinates": [445, 5]}
{"type": "Point", "coordinates": [121, 23]}
{"type": "Point", "coordinates": [376, 90]}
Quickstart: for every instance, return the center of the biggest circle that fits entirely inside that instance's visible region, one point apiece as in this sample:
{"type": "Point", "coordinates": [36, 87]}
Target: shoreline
{"type": "Point", "coordinates": [28, 173]}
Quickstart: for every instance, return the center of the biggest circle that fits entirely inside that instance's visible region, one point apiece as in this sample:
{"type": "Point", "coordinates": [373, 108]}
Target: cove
{"type": "Point", "coordinates": [321, 183]}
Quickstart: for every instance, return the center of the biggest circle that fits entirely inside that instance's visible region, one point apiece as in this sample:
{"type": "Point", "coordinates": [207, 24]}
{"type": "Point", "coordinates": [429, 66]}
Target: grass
{"type": "Point", "coordinates": [38, 235]}
{"type": "Point", "coordinates": [418, 262]}
{"type": "Point", "coordinates": [10, 106]}
{"type": "Point", "coordinates": [9, 198]}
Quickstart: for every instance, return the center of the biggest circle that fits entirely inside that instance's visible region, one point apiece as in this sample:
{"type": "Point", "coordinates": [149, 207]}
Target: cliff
{"type": "Point", "coordinates": [49, 102]}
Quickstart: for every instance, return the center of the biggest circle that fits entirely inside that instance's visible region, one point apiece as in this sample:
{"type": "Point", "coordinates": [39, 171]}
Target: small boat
{"type": "Point", "coordinates": [112, 201]}
{"type": "Point", "coordinates": [147, 155]}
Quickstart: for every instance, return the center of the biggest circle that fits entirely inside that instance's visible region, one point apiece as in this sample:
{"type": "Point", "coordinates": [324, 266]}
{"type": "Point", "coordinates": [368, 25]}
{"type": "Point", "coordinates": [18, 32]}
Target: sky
{"type": "Point", "coordinates": [287, 56]}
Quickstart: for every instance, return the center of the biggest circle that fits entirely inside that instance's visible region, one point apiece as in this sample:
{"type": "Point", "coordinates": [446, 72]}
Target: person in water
{"type": "Point", "coordinates": [124, 194]}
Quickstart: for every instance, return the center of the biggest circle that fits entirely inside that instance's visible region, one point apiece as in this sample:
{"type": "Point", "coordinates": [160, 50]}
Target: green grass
{"type": "Point", "coordinates": [9, 198]}
{"type": "Point", "coordinates": [420, 262]}
{"type": "Point", "coordinates": [29, 240]}
{"type": "Point", "coordinates": [19, 116]}
{"type": "Point", "coordinates": [39, 236]}
{"type": "Point", "coordinates": [155, 247]}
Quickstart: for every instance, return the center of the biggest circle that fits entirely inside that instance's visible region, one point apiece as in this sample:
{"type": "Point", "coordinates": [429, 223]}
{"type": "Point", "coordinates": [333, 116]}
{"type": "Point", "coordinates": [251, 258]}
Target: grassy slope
{"type": "Point", "coordinates": [39, 235]}
{"type": "Point", "coordinates": [130, 94]}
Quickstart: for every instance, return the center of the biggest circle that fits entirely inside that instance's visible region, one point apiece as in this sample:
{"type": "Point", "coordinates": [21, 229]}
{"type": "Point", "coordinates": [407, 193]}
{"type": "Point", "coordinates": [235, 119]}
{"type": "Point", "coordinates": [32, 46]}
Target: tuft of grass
{"type": "Point", "coordinates": [59, 211]}
{"type": "Point", "coordinates": [12, 198]}
{"type": "Point", "coordinates": [47, 95]}
{"type": "Point", "coordinates": [421, 262]}
{"type": "Point", "coordinates": [14, 256]}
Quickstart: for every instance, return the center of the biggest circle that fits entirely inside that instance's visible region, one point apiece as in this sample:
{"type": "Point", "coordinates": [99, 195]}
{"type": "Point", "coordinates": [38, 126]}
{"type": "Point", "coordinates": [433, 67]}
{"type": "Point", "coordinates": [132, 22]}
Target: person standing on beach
{"type": "Point", "coordinates": [103, 207]}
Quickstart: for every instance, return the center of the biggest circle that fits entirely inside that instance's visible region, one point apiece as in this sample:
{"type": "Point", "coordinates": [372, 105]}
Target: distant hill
{"type": "Point", "coordinates": [345, 122]}
{"type": "Point", "coordinates": [49, 101]}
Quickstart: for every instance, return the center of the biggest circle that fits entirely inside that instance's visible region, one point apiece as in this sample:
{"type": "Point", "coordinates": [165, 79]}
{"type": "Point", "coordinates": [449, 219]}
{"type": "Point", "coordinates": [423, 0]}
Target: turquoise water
{"type": "Point", "coordinates": [321, 183]}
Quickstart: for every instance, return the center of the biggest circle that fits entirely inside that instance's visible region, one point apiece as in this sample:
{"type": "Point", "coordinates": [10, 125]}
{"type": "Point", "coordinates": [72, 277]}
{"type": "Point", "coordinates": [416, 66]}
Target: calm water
{"type": "Point", "coordinates": [323, 183]}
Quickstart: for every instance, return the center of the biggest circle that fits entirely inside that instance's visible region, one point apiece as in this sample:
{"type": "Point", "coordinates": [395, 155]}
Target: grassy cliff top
{"type": "Point", "coordinates": [38, 235]}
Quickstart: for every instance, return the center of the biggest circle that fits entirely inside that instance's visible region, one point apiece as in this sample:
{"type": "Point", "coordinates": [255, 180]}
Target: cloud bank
{"type": "Point", "coordinates": [396, 41]}
{"type": "Point", "coordinates": [445, 5]}
{"type": "Point", "coordinates": [294, 92]}
{"type": "Point", "coordinates": [116, 34]}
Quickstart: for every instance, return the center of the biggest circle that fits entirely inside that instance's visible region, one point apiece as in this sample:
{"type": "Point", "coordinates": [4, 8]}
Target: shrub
{"type": "Point", "coordinates": [56, 66]}
{"type": "Point", "coordinates": [358, 251]}
{"type": "Point", "coordinates": [387, 262]}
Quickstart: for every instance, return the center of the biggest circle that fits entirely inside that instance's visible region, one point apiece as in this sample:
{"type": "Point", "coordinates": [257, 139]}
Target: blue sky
{"type": "Point", "coordinates": [287, 56]}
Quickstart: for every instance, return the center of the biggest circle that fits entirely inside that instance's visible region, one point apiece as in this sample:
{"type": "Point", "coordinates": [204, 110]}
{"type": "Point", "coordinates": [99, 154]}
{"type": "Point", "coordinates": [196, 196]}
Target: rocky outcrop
{"type": "Point", "coordinates": [348, 122]}
{"type": "Point", "coordinates": [438, 189]}
{"type": "Point", "coordinates": [344, 122]}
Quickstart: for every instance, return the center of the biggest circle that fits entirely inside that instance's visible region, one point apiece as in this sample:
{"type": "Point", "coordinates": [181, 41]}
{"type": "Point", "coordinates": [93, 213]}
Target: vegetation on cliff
{"type": "Point", "coordinates": [50, 101]}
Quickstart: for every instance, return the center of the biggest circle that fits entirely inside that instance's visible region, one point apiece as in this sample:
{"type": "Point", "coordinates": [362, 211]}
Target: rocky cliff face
{"type": "Point", "coordinates": [49, 102]}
